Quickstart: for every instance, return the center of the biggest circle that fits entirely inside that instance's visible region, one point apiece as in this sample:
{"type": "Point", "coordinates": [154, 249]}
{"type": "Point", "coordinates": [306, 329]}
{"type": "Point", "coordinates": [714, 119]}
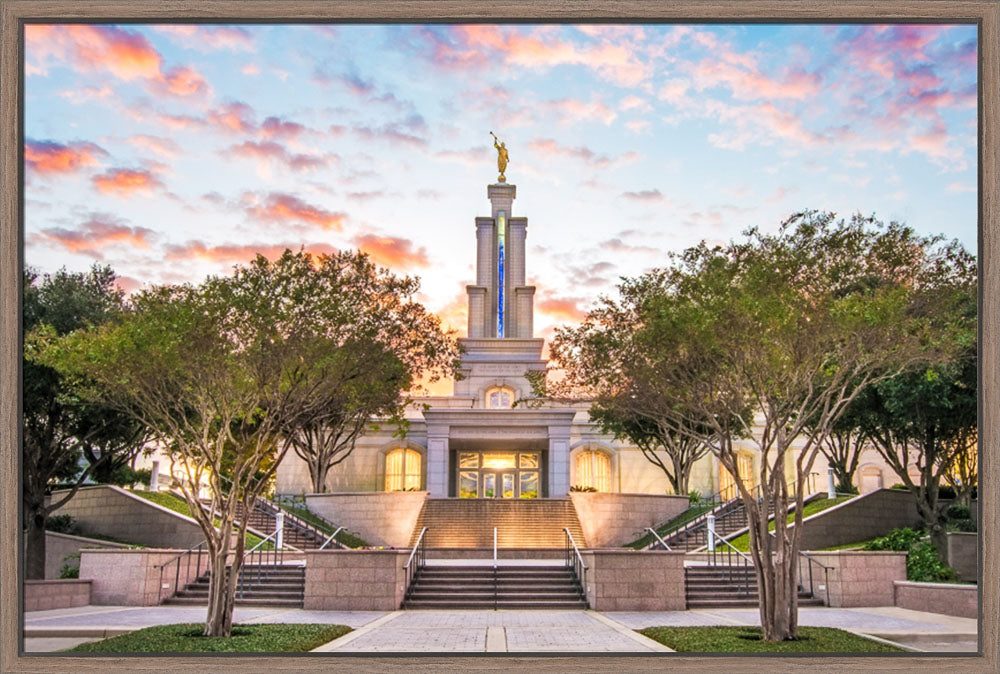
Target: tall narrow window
{"type": "Point", "coordinates": [501, 238]}
{"type": "Point", "coordinates": [402, 470]}
{"type": "Point", "coordinates": [593, 469]}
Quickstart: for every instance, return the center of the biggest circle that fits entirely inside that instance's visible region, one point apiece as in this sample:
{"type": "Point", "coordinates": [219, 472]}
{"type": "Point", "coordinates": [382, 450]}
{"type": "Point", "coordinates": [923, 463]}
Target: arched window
{"type": "Point", "coordinates": [402, 470]}
{"type": "Point", "coordinates": [727, 485]}
{"type": "Point", "coordinates": [499, 398]}
{"type": "Point", "coordinates": [593, 469]}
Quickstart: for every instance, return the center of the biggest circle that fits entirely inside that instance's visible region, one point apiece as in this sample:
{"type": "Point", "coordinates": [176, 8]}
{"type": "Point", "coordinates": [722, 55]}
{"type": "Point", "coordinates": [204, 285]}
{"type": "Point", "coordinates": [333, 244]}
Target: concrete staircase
{"type": "Point", "coordinates": [509, 587]}
{"type": "Point", "coordinates": [262, 586]}
{"type": "Point", "coordinates": [523, 523]}
{"type": "Point", "coordinates": [262, 522]}
{"type": "Point", "coordinates": [728, 587]}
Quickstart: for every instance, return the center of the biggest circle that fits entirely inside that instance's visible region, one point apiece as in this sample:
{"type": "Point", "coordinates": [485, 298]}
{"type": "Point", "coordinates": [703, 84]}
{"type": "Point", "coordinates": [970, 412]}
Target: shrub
{"type": "Point", "coordinates": [694, 497]}
{"type": "Point", "coordinates": [577, 487]}
{"type": "Point", "coordinates": [70, 570]}
{"type": "Point", "coordinates": [960, 518]}
{"type": "Point", "coordinates": [62, 524]}
{"type": "Point", "coordinates": [901, 540]}
{"type": "Point", "coordinates": [144, 476]}
{"type": "Point", "coordinates": [923, 565]}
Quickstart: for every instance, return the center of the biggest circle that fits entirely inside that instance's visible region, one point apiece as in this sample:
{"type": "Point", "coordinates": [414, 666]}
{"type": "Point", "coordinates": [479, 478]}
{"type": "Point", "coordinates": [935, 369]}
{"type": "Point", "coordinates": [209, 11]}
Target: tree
{"type": "Point", "coordinates": [613, 361]}
{"type": "Point", "coordinates": [793, 326]}
{"type": "Point", "coordinates": [384, 342]}
{"type": "Point", "coordinates": [58, 423]}
{"type": "Point", "coordinates": [225, 374]}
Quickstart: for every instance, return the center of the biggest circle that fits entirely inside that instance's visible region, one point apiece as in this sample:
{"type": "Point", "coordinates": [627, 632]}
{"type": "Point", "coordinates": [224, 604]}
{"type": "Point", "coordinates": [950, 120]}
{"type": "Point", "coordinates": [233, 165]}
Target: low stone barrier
{"type": "Point", "coordinates": [379, 517]}
{"type": "Point", "coordinates": [112, 511]}
{"type": "Point", "coordinates": [857, 578]}
{"type": "Point", "coordinates": [963, 554]}
{"type": "Point", "coordinates": [635, 581]}
{"type": "Point", "coordinates": [60, 546]}
{"type": "Point", "coordinates": [42, 595]}
{"type": "Point", "coordinates": [133, 577]}
{"type": "Point", "coordinates": [946, 598]}
{"type": "Point", "coordinates": [609, 519]}
{"type": "Point", "coordinates": [355, 580]}
{"type": "Point", "coordinates": [867, 516]}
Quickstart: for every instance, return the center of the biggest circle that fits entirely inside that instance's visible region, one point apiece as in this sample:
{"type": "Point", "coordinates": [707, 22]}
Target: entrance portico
{"type": "Point", "coordinates": [481, 453]}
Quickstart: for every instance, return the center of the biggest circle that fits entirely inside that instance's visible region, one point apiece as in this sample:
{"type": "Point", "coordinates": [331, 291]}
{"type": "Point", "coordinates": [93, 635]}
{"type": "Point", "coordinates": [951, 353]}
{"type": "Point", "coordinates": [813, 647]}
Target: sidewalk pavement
{"type": "Point", "coordinates": [498, 631]}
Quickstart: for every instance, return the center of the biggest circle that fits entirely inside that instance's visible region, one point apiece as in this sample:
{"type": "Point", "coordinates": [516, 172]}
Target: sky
{"type": "Point", "coordinates": [171, 152]}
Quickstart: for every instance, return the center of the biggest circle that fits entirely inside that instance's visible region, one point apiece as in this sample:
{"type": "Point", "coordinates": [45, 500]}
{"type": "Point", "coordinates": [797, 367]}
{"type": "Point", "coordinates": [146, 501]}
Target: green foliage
{"type": "Point", "coordinates": [69, 568]}
{"type": "Point", "coordinates": [693, 497]}
{"type": "Point", "coordinates": [960, 518]}
{"type": "Point", "coordinates": [902, 539]}
{"type": "Point", "coordinates": [187, 638]}
{"type": "Point", "coordinates": [577, 487]}
{"type": "Point", "coordinates": [748, 640]}
{"type": "Point", "coordinates": [62, 524]}
{"type": "Point", "coordinates": [922, 563]}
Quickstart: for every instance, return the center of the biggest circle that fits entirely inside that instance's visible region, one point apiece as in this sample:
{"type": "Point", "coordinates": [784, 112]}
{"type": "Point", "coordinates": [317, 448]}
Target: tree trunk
{"type": "Point", "coordinates": [318, 474]}
{"type": "Point", "coordinates": [219, 622]}
{"type": "Point", "coordinates": [34, 553]}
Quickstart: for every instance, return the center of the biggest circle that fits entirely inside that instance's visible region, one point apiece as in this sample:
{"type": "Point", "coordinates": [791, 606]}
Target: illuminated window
{"type": "Point", "coordinates": [593, 469]}
{"type": "Point", "coordinates": [402, 470]}
{"type": "Point", "coordinates": [499, 398]}
{"type": "Point", "coordinates": [727, 485]}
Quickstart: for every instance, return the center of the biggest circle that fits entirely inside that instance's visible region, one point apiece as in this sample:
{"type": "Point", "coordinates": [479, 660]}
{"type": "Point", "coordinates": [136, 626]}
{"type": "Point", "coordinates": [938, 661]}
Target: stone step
{"type": "Point", "coordinates": [198, 601]}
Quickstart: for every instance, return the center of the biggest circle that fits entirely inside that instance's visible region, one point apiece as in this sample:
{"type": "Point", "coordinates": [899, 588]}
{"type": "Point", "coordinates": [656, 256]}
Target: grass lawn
{"type": "Point", "coordinates": [187, 638]}
{"type": "Point", "coordinates": [819, 505]}
{"type": "Point", "coordinates": [747, 640]}
{"type": "Point", "coordinates": [849, 546]}
{"type": "Point", "coordinates": [179, 505]}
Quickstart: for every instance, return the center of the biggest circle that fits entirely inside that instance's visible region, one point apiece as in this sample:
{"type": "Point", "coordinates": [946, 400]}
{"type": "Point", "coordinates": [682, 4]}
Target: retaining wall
{"type": "Point", "coordinates": [963, 554]}
{"type": "Point", "coordinates": [867, 516]}
{"type": "Point", "coordinates": [132, 577]}
{"type": "Point", "coordinates": [111, 511]}
{"type": "Point", "coordinates": [42, 595]}
{"type": "Point", "coordinates": [635, 581]}
{"type": "Point", "coordinates": [355, 580]}
{"type": "Point", "coordinates": [59, 546]}
{"type": "Point", "coordinates": [946, 598]}
{"type": "Point", "coordinates": [857, 578]}
{"type": "Point", "coordinates": [380, 518]}
{"type": "Point", "coordinates": [610, 519]}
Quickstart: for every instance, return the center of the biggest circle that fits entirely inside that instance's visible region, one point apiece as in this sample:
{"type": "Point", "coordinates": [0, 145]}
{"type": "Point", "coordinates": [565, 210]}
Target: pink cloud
{"type": "Point", "coordinates": [748, 85]}
{"type": "Point", "coordinates": [97, 232]}
{"type": "Point", "coordinates": [163, 147]}
{"type": "Point", "coordinates": [182, 82]}
{"type": "Point", "coordinates": [391, 251]}
{"type": "Point", "coordinates": [209, 38]}
{"type": "Point", "coordinates": [126, 182]}
{"type": "Point", "coordinates": [643, 195]}
{"type": "Point", "coordinates": [233, 117]}
{"type": "Point", "coordinates": [48, 157]}
{"type": "Point", "coordinates": [275, 127]}
{"type": "Point", "coordinates": [198, 250]}
{"type": "Point", "coordinates": [549, 147]}
{"type": "Point", "coordinates": [281, 207]}
{"type": "Point", "coordinates": [271, 150]}
{"type": "Point", "coordinates": [562, 308]}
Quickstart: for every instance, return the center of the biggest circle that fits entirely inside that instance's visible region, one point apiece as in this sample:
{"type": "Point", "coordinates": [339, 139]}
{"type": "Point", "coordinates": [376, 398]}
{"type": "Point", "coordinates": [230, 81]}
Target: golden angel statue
{"type": "Point", "coordinates": [502, 157]}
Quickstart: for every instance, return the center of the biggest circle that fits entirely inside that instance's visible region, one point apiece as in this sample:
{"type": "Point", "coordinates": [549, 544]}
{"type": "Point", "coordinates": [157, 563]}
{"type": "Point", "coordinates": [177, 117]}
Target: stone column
{"type": "Point", "coordinates": [501, 196]}
{"type": "Point", "coordinates": [477, 311]}
{"type": "Point", "coordinates": [558, 461]}
{"type": "Point", "coordinates": [437, 461]}
{"type": "Point", "coordinates": [525, 297]}
{"type": "Point", "coordinates": [516, 248]}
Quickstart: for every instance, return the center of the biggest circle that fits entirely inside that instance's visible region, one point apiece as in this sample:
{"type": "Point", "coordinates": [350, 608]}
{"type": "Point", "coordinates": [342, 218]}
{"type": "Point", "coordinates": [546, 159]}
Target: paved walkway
{"type": "Point", "coordinates": [497, 631]}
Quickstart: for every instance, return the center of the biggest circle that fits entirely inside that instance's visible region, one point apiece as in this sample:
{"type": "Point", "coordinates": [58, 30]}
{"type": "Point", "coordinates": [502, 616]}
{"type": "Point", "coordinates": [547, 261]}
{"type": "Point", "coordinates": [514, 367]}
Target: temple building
{"type": "Point", "coordinates": [474, 445]}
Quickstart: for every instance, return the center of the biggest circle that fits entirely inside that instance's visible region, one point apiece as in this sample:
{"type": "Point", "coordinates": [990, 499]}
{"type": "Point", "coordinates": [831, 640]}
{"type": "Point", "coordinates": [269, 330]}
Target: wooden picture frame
{"type": "Point", "coordinates": [16, 12]}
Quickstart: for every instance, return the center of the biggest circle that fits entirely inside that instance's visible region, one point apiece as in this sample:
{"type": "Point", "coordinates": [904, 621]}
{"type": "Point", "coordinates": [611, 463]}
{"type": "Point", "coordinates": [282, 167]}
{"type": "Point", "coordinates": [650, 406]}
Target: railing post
{"type": "Point", "coordinates": [831, 488]}
{"type": "Point", "coordinates": [279, 526]}
{"type": "Point", "coordinates": [710, 520]}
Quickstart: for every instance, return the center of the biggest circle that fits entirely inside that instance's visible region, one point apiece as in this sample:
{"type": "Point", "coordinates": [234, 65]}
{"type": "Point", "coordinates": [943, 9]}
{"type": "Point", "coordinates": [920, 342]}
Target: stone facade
{"type": "Point", "coordinates": [609, 519]}
{"type": "Point", "coordinates": [355, 580]}
{"type": "Point", "coordinates": [59, 546]}
{"type": "Point", "coordinates": [384, 518]}
{"type": "Point", "coordinates": [44, 595]}
{"type": "Point", "coordinates": [857, 578]}
{"type": "Point", "coordinates": [635, 581]}
{"type": "Point", "coordinates": [946, 598]}
{"type": "Point", "coordinates": [111, 511]}
{"type": "Point", "coordinates": [133, 577]}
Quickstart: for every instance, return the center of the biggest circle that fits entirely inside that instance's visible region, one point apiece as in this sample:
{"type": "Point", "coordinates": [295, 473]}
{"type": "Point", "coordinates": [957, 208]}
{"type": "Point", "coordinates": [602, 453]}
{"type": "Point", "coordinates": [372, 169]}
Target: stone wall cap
{"type": "Point", "coordinates": [854, 553]}
{"type": "Point", "coordinates": [118, 551]}
{"type": "Point", "coordinates": [58, 581]}
{"type": "Point", "coordinates": [589, 494]}
{"type": "Point", "coordinates": [968, 587]}
{"type": "Point", "coordinates": [393, 551]}
{"type": "Point", "coordinates": [87, 539]}
{"type": "Point", "coordinates": [963, 533]}
{"type": "Point", "coordinates": [629, 551]}
{"type": "Point", "coordinates": [364, 493]}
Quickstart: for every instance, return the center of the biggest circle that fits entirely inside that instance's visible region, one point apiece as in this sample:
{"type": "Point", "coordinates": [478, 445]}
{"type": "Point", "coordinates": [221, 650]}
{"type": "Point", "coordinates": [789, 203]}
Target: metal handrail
{"type": "Point", "coordinates": [411, 568]}
{"type": "Point", "coordinates": [332, 536]}
{"type": "Point", "coordinates": [496, 588]}
{"type": "Point", "coordinates": [274, 508]}
{"type": "Point", "coordinates": [826, 575]}
{"type": "Point", "coordinates": [277, 558]}
{"type": "Point", "coordinates": [177, 576]}
{"type": "Point", "coordinates": [575, 561]}
{"type": "Point", "coordinates": [737, 567]}
{"type": "Point", "coordinates": [659, 540]}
